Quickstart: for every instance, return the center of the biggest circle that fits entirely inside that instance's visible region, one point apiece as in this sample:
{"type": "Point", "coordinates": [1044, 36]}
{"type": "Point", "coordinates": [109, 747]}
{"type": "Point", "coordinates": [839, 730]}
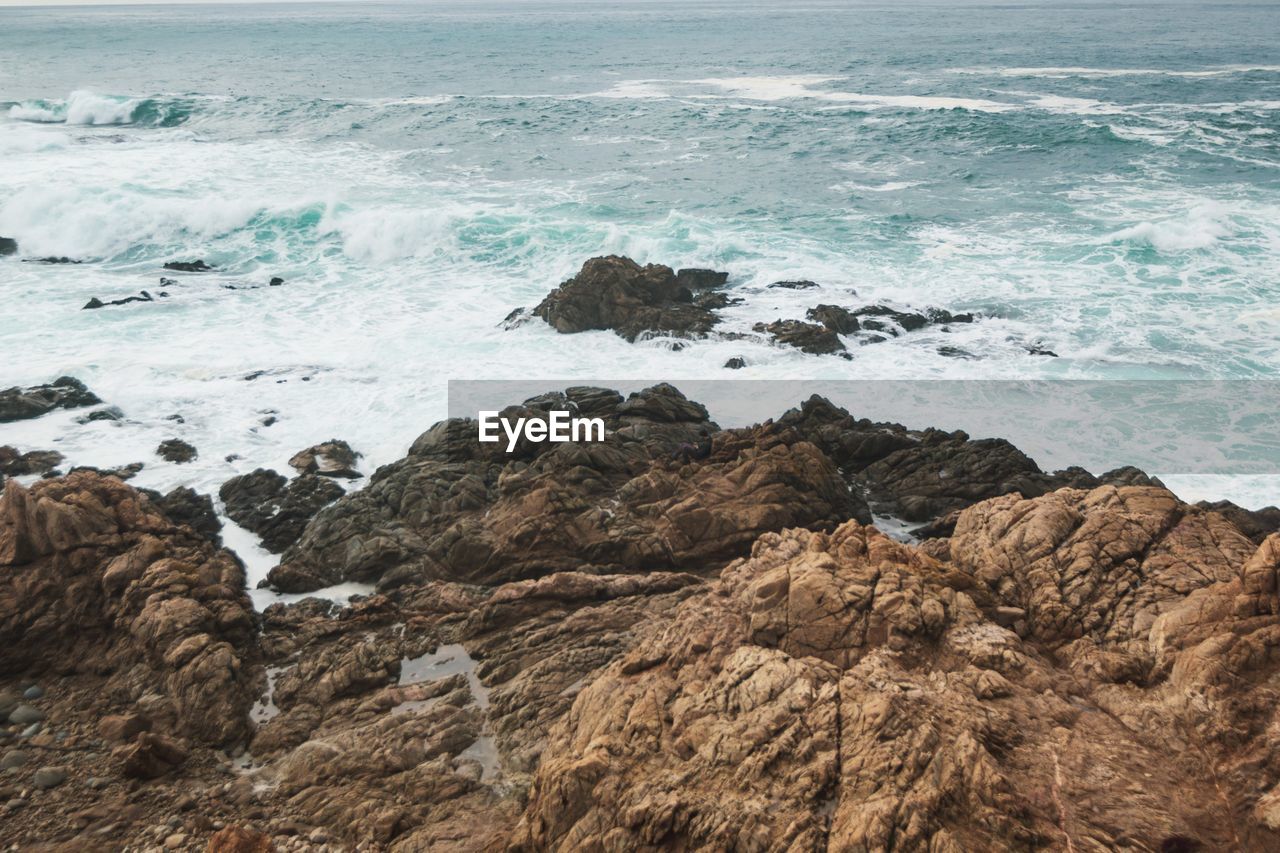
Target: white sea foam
{"type": "Point", "coordinates": [80, 107]}
{"type": "Point", "coordinates": [1199, 228]}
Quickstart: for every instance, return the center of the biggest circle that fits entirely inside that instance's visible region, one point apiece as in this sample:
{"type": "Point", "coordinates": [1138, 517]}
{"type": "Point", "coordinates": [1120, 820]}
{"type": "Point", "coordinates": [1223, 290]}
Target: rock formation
{"type": "Point", "coordinates": [617, 293]}
{"type": "Point", "coordinates": [605, 646]}
{"type": "Point", "coordinates": [276, 509]}
{"type": "Point", "coordinates": [458, 510]}
{"type": "Point", "coordinates": [63, 393]}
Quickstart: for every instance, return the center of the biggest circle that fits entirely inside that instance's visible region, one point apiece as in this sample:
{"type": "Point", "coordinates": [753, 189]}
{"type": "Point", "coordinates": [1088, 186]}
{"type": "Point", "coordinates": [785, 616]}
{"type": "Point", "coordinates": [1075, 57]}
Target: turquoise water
{"type": "Point", "coordinates": [1100, 180]}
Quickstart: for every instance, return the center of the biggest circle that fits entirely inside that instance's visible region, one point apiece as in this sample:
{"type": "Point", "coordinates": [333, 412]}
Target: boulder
{"type": "Point", "coordinates": [276, 509]}
{"type": "Point", "coordinates": [8, 246]}
{"type": "Point", "coordinates": [839, 320]}
{"type": "Point", "coordinates": [807, 337]}
{"type": "Point", "coordinates": [617, 293]}
{"type": "Point", "coordinates": [63, 393]}
{"type": "Point", "coordinates": [150, 756]}
{"type": "Point", "coordinates": [333, 458]}
{"type": "Point", "coordinates": [15, 464]}
{"type": "Point", "coordinates": [188, 266]}
{"type": "Point", "coordinates": [176, 450]}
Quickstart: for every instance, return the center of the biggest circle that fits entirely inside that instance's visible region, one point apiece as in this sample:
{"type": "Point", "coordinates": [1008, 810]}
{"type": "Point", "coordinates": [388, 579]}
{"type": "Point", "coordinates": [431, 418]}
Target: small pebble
{"type": "Point", "coordinates": [49, 777]}
{"type": "Point", "coordinates": [33, 692]}
{"type": "Point", "coordinates": [25, 715]}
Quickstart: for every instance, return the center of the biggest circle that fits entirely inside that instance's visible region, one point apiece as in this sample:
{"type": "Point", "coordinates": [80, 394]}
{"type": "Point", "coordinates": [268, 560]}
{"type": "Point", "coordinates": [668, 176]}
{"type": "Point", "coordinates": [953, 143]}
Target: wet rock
{"type": "Point", "coordinates": [701, 279]}
{"type": "Point", "coordinates": [185, 505]}
{"type": "Point", "coordinates": [49, 777]}
{"type": "Point", "coordinates": [111, 413]}
{"type": "Point", "coordinates": [15, 464]}
{"type": "Point", "coordinates": [807, 337]}
{"type": "Point", "coordinates": [266, 503]}
{"type": "Point", "coordinates": [837, 319]}
{"type": "Point", "coordinates": [150, 756]}
{"type": "Point", "coordinates": [8, 246]}
{"type": "Point", "coordinates": [176, 450]}
{"type": "Point", "coordinates": [516, 319]}
{"type": "Point", "coordinates": [333, 458]}
{"type": "Point", "coordinates": [188, 266]}
{"type": "Point", "coordinates": [51, 260]}
{"type": "Point", "coordinates": [33, 693]}
{"type": "Point", "coordinates": [63, 393]}
{"type": "Point", "coordinates": [794, 285]}
{"type": "Point", "coordinates": [121, 472]}
{"type": "Point", "coordinates": [143, 296]}
{"type": "Point", "coordinates": [736, 363]}
{"type": "Point", "coordinates": [617, 293]}
{"type": "Point", "coordinates": [276, 281]}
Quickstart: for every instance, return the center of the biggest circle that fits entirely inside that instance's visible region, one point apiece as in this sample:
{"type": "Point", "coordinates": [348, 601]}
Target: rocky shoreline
{"type": "Point", "coordinates": [615, 646]}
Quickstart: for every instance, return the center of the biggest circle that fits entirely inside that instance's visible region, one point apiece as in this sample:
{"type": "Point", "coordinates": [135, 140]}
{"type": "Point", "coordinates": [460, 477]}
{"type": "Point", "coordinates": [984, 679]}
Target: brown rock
{"type": "Point", "coordinates": [122, 728]}
{"type": "Point", "coordinates": [617, 293]}
{"type": "Point", "coordinates": [238, 839]}
{"type": "Point", "coordinates": [151, 756]}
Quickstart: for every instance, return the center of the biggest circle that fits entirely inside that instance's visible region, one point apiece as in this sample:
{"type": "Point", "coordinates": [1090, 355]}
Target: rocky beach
{"type": "Point", "coordinates": [612, 645]}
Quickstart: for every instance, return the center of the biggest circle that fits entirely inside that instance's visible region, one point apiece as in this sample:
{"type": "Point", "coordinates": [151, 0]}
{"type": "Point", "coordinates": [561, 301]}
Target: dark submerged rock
{"type": "Point", "coordinates": [736, 363]}
{"type": "Point", "coordinates": [15, 464]}
{"type": "Point", "coordinates": [188, 266]}
{"type": "Point", "coordinates": [8, 246]}
{"type": "Point", "coordinates": [794, 285]}
{"type": "Point", "coordinates": [807, 337]}
{"type": "Point", "coordinates": [143, 296]}
{"type": "Point", "coordinates": [176, 450]}
{"type": "Point", "coordinates": [63, 393]}
{"type": "Point", "coordinates": [266, 503]}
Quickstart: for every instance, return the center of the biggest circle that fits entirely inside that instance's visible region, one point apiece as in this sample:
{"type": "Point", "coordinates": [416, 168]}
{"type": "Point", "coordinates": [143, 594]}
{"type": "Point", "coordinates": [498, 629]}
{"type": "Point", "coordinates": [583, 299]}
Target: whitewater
{"type": "Point", "coordinates": [415, 172]}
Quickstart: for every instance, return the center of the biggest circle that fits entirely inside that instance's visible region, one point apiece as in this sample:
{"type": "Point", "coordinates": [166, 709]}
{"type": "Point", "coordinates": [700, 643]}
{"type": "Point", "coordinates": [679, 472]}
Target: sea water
{"type": "Point", "coordinates": [1098, 180]}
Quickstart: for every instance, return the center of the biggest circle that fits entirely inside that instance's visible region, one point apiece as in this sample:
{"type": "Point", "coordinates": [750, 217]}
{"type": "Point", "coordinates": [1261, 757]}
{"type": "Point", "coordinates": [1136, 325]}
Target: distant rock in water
{"type": "Point", "coordinates": [176, 450]}
{"type": "Point", "coordinates": [15, 464]}
{"type": "Point", "coordinates": [276, 509]}
{"type": "Point", "coordinates": [804, 284]}
{"type": "Point", "coordinates": [188, 266]}
{"type": "Point", "coordinates": [333, 458]}
{"type": "Point", "coordinates": [143, 296]}
{"type": "Point", "coordinates": [66, 392]}
{"type": "Point", "coordinates": [51, 260]}
{"type": "Point", "coordinates": [8, 246]}
{"type": "Point", "coordinates": [276, 281]}
{"type": "Point", "coordinates": [120, 472]}
{"type": "Point", "coordinates": [110, 413]}
{"type": "Point", "coordinates": [736, 363]}
{"type": "Point", "coordinates": [617, 293]}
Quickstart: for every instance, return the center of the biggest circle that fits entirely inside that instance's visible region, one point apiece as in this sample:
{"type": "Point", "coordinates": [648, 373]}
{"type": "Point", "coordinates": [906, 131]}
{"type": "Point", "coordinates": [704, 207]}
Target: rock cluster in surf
{"type": "Point", "coordinates": [639, 302]}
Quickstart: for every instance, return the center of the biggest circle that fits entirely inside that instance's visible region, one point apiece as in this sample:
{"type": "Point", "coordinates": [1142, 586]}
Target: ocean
{"type": "Point", "coordinates": [1097, 180]}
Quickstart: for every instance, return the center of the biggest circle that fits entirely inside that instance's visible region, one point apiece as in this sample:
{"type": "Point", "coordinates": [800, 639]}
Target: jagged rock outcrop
{"type": "Point", "coordinates": [812, 338]}
{"type": "Point", "coordinates": [1256, 524]}
{"type": "Point", "coordinates": [458, 509]}
{"type": "Point", "coordinates": [277, 509]}
{"type": "Point", "coordinates": [66, 392]}
{"type": "Point", "coordinates": [97, 580]}
{"type": "Point", "coordinates": [14, 463]}
{"type": "Point", "coordinates": [844, 691]}
{"type": "Point", "coordinates": [617, 293]}
{"type": "Point", "coordinates": [922, 475]}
